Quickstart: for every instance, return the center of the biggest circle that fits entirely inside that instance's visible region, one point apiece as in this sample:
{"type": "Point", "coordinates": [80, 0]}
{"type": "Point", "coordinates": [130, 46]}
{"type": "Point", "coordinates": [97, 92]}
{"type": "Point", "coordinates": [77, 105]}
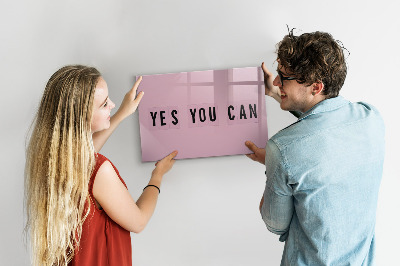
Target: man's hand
{"type": "Point", "coordinates": [258, 154]}
{"type": "Point", "coordinates": [270, 89]}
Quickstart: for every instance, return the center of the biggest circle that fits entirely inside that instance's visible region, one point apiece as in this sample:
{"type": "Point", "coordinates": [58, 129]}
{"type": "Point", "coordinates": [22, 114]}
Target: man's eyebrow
{"type": "Point", "coordinates": [283, 74]}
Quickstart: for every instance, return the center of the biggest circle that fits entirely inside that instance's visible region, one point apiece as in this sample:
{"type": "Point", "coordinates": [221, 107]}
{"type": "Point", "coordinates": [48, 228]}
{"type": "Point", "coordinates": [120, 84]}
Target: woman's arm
{"type": "Point", "coordinates": [128, 107]}
{"type": "Point", "coordinates": [116, 201]}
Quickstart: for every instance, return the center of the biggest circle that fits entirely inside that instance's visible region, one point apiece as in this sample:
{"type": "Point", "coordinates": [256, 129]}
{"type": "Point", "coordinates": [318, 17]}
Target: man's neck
{"type": "Point", "coordinates": [316, 100]}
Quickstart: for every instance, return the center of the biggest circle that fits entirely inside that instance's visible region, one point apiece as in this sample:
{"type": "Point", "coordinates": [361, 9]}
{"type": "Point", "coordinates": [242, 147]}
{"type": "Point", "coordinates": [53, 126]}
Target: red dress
{"type": "Point", "coordinates": [103, 241]}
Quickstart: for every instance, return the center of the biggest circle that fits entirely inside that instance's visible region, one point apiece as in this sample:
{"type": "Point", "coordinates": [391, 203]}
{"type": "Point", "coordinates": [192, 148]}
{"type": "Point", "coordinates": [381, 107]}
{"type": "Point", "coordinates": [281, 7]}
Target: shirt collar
{"type": "Point", "coordinates": [325, 106]}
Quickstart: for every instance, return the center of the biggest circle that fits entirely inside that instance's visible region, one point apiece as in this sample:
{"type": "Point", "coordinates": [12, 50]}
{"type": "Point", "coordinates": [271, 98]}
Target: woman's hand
{"type": "Point", "coordinates": [131, 100]}
{"type": "Point", "coordinates": [165, 164]}
{"type": "Point", "coordinates": [270, 89]}
{"type": "Point", "coordinates": [128, 107]}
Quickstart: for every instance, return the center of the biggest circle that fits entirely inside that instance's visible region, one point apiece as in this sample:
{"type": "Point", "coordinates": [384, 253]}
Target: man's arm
{"type": "Point", "coordinates": [128, 107]}
{"type": "Point", "coordinates": [270, 89]}
{"type": "Point", "coordinates": [261, 203]}
{"type": "Point", "coordinates": [276, 205]}
{"type": "Point", "coordinates": [276, 211]}
{"type": "Point", "coordinates": [274, 91]}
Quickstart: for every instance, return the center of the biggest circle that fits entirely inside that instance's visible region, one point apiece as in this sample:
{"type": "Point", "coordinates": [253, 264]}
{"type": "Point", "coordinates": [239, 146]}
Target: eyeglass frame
{"type": "Point", "coordinates": [282, 78]}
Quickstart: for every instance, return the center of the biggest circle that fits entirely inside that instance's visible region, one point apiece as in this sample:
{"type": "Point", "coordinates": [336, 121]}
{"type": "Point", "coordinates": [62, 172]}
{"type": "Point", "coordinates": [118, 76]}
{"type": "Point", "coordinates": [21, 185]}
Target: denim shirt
{"type": "Point", "coordinates": [323, 176]}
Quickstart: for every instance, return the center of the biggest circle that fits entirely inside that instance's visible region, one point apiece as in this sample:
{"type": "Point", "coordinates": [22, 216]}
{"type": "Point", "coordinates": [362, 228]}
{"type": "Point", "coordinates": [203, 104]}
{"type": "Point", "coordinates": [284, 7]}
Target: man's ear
{"type": "Point", "coordinates": [317, 88]}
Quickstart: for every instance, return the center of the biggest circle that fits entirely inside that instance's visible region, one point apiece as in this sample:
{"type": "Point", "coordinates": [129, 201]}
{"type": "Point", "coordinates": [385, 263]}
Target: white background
{"type": "Point", "coordinates": [208, 208]}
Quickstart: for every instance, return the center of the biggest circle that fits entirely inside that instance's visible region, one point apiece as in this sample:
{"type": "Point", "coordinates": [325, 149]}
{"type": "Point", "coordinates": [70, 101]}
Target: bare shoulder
{"type": "Point", "coordinates": [106, 181]}
{"type": "Point", "coordinates": [114, 198]}
{"type": "Point", "coordinates": [106, 170]}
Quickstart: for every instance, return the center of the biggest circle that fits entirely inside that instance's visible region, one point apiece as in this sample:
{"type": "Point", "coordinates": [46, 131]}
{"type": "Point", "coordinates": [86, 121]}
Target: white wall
{"type": "Point", "coordinates": [208, 208]}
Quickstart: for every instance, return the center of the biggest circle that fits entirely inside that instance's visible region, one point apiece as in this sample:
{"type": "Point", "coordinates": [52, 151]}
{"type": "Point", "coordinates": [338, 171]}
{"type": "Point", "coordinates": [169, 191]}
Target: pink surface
{"type": "Point", "coordinates": [202, 113]}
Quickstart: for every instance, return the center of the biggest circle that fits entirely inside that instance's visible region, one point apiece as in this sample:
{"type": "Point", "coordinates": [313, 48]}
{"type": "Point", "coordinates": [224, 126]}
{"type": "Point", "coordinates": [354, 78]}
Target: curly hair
{"type": "Point", "coordinates": [59, 162]}
{"type": "Point", "coordinates": [314, 57]}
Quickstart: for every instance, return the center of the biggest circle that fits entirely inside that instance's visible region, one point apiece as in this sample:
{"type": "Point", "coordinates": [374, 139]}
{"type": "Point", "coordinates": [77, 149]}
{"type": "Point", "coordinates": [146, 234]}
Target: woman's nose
{"type": "Point", "coordinates": [112, 105]}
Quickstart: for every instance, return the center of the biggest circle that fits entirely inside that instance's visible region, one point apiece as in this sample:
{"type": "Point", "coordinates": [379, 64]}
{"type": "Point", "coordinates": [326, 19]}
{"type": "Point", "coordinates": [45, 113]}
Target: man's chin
{"type": "Point", "coordinates": [285, 108]}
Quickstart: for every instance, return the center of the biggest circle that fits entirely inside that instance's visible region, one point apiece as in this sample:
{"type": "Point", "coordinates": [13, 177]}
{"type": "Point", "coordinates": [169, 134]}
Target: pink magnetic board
{"type": "Point", "coordinates": [202, 113]}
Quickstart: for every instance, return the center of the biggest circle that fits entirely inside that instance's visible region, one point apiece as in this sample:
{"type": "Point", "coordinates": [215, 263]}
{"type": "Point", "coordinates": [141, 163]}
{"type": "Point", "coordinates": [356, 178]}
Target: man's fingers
{"type": "Point", "coordinates": [251, 156]}
{"type": "Point", "coordinates": [265, 69]}
{"type": "Point", "coordinates": [251, 146]}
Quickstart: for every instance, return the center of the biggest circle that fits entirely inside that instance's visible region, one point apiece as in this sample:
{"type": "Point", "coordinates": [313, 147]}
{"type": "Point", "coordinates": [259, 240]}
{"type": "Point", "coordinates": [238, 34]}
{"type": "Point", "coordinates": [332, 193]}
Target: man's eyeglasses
{"type": "Point", "coordinates": [282, 78]}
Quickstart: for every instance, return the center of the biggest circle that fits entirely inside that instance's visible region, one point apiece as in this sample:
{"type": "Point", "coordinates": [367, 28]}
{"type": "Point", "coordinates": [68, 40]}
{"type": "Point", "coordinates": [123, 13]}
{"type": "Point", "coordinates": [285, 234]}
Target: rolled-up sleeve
{"type": "Point", "coordinates": [277, 209]}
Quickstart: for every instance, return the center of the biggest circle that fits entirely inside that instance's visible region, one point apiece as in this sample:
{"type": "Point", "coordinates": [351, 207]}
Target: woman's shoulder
{"type": "Point", "coordinates": [102, 164]}
{"type": "Point", "coordinates": [99, 161]}
{"type": "Point", "coordinates": [105, 167]}
{"type": "Point", "coordinates": [100, 158]}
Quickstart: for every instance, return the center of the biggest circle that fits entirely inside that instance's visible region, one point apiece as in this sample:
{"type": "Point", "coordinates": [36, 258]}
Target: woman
{"type": "Point", "coordinates": [78, 207]}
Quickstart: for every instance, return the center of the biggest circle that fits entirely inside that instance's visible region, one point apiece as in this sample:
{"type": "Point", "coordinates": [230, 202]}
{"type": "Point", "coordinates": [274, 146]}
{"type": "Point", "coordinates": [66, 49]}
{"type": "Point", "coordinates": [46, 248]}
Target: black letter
{"type": "Point", "coordinates": [154, 118]}
{"type": "Point", "coordinates": [173, 113]}
{"type": "Point", "coordinates": [162, 117]}
{"type": "Point", "coordinates": [204, 114]}
{"type": "Point", "coordinates": [212, 119]}
{"type": "Point", "coordinates": [253, 111]}
{"type": "Point", "coordinates": [193, 113]}
{"type": "Point", "coordinates": [229, 112]}
{"type": "Point", "coordinates": [242, 112]}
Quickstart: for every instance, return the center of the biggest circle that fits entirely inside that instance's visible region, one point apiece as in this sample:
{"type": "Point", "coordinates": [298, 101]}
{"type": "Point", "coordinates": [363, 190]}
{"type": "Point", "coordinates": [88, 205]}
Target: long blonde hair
{"type": "Point", "coordinates": [59, 161]}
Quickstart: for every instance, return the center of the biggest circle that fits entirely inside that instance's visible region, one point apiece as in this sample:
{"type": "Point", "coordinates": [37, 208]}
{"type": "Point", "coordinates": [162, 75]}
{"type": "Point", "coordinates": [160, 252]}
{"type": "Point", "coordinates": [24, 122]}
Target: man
{"type": "Point", "coordinates": [323, 171]}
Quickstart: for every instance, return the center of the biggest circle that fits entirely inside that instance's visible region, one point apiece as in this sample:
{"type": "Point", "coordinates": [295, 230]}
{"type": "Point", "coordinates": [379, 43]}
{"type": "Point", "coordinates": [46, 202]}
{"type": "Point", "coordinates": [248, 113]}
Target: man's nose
{"type": "Point", "coordinates": [277, 81]}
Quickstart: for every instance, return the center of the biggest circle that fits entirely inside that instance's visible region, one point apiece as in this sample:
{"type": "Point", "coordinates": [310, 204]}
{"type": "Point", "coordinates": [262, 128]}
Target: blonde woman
{"type": "Point", "coordinates": [79, 211]}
